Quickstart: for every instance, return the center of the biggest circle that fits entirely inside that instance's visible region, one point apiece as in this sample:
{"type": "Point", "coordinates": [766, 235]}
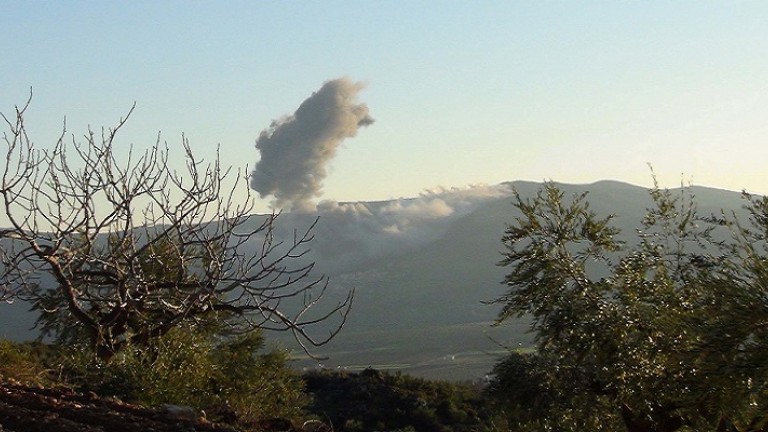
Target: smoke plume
{"type": "Point", "coordinates": [295, 150]}
{"type": "Point", "coordinates": [351, 233]}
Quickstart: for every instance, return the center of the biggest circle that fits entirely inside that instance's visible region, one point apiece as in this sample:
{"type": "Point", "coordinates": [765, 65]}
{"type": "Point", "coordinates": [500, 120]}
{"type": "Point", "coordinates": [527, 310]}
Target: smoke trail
{"type": "Point", "coordinates": [295, 150]}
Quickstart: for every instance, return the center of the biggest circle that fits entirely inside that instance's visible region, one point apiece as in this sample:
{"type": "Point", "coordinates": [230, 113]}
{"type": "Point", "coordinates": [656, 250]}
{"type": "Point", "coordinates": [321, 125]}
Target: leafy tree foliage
{"type": "Point", "coordinates": [662, 334]}
{"type": "Point", "coordinates": [521, 392]}
{"type": "Point", "coordinates": [126, 249]}
{"type": "Point", "coordinates": [378, 401]}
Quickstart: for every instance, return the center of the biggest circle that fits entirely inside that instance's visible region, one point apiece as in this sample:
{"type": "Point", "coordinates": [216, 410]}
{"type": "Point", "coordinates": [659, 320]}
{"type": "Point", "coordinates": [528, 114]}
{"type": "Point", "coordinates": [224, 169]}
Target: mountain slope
{"type": "Point", "coordinates": [419, 298]}
{"type": "Point", "coordinates": [415, 309]}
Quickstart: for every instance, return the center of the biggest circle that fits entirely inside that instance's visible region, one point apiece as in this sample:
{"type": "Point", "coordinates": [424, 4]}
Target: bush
{"type": "Point", "coordinates": [24, 362]}
{"type": "Point", "coordinates": [257, 386]}
{"type": "Point", "coordinates": [225, 376]}
{"type": "Point", "coordinates": [379, 401]}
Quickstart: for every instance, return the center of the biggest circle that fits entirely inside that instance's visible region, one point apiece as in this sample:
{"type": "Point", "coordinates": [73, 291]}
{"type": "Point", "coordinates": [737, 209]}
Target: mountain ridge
{"type": "Point", "coordinates": [421, 282]}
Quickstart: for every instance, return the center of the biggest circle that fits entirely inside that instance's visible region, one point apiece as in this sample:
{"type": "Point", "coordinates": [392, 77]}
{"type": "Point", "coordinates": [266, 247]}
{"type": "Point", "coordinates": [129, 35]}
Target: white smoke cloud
{"type": "Point", "coordinates": [296, 150]}
{"type": "Point", "coordinates": [351, 233]}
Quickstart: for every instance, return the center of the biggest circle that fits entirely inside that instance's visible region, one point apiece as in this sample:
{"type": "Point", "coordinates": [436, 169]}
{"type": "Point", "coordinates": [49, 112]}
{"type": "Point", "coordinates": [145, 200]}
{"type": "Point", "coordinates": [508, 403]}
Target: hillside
{"type": "Point", "coordinates": [419, 296]}
{"type": "Point", "coordinates": [422, 310]}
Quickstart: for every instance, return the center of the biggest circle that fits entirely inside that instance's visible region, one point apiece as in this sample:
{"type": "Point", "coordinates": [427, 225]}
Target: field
{"type": "Point", "coordinates": [453, 352]}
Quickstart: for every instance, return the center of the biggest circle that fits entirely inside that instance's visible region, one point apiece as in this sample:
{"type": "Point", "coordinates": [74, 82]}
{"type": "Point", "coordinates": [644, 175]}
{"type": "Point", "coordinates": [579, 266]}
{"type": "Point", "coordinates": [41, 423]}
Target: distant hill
{"type": "Point", "coordinates": [420, 285]}
{"type": "Point", "coordinates": [422, 309]}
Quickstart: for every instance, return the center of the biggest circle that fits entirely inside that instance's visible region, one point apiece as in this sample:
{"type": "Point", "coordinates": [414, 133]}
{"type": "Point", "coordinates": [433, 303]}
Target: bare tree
{"type": "Point", "coordinates": [125, 251]}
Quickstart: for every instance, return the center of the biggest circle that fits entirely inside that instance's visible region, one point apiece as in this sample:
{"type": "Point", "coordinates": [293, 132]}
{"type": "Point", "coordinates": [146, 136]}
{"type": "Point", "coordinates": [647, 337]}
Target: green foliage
{"type": "Point", "coordinates": [225, 376]}
{"type": "Point", "coordinates": [257, 386]}
{"type": "Point", "coordinates": [665, 333]}
{"type": "Point", "coordinates": [379, 401]}
{"type": "Point", "coordinates": [520, 389]}
{"type": "Point", "coordinates": [24, 362]}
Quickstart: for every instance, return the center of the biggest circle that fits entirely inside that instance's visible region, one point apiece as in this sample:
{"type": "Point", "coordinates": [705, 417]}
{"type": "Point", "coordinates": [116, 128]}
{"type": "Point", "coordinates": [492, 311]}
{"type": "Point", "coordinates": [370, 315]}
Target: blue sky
{"type": "Point", "coordinates": [462, 92]}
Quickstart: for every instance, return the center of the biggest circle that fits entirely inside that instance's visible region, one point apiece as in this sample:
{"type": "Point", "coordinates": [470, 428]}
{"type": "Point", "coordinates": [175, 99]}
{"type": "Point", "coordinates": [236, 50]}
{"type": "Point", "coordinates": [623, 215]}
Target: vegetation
{"type": "Point", "coordinates": [380, 401]}
{"type": "Point", "coordinates": [24, 362]}
{"type": "Point", "coordinates": [228, 379]}
{"type": "Point", "coordinates": [663, 333]}
{"type": "Point", "coordinates": [232, 382]}
{"type": "Point", "coordinates": [125, 251]}
{"type": "Point", "coordinates": [158, 296]}
{"type": "Point", "coordinates": [667, 333]}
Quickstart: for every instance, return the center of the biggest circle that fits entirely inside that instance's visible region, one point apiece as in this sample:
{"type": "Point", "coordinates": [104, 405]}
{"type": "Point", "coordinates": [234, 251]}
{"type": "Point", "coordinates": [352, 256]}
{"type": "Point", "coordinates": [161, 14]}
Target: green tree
{"type": "Point", "coordinates": [658, 335]}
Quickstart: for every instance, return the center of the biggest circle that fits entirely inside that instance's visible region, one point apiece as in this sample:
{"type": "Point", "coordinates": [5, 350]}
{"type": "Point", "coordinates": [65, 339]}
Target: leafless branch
{"type": "Point", "coordinates": [127, 250]}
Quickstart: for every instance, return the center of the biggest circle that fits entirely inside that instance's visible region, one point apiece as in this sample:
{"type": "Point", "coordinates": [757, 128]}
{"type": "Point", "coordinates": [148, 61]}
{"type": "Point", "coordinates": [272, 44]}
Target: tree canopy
{"type": "Point", "coordinates": [662, 333]}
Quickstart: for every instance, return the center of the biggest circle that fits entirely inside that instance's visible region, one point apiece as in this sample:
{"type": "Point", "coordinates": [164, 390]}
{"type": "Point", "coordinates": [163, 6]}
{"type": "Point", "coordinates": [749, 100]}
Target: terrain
{"type": "Point", "coordinates": [420, 289]}
{"type": "Point", "coordinates": [30, 409]}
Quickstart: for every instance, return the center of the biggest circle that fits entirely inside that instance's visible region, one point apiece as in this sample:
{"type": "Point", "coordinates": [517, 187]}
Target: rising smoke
{"type": "Point", "coordinates": [351, 233]}
{"type": "Point", "coordinates": [296, 150]}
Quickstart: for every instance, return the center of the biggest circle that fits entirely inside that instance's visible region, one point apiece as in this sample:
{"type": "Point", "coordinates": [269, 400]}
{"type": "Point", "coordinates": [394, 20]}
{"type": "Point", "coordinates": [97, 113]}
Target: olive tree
{"type": "Point", "coordinates": [667, 331]}
{"type": "Point", "coordinates": [125, 249]}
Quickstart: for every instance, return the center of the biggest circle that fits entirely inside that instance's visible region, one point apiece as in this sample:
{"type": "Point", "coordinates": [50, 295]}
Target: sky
{"type": "Point", "coordinates": [462, 93]}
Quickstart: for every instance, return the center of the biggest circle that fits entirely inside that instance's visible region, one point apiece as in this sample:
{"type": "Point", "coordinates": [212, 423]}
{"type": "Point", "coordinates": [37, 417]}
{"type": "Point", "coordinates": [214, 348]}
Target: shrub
{"type": "Point", "coordinates": [374, 400]}
{"type": "Point", "coordinates": [226, 376]}
{"type": "Point", "coordinates": [23, 362]}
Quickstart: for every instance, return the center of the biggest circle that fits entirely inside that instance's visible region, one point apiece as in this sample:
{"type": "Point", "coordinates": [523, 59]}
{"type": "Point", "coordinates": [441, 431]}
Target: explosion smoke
{"type": "Point", "coordinates": [295, 150]}
{"type": "Point", "coordinates": [351, 233]}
